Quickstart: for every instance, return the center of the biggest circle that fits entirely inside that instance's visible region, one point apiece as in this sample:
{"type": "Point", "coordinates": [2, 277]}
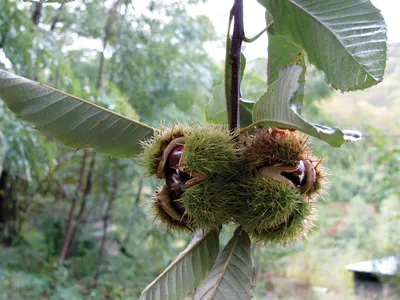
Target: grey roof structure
{"type": "Point", "coordinates": [389, 265]}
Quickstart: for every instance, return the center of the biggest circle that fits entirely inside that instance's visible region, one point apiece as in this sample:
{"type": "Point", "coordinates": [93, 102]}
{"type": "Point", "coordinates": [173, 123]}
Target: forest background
{"type": "Point", "coordinates": [155, 66]}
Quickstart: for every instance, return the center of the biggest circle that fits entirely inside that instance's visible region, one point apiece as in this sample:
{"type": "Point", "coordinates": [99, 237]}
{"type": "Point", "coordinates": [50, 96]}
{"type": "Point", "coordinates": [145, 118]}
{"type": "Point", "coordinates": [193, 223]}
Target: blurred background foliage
{"type": "Point", "coordinates": [152, 66]}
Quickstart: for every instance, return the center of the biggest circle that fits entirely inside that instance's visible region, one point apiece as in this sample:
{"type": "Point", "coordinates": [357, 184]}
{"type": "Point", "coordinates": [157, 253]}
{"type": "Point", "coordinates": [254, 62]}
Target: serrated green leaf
{"type": "Point", "coordinates": [187, 270]}
{"type": "Point", "coordinates": [274, 110]}
{"type": "Point", "coordinates": [344, 39]}
{"type": "Point", "coordinates": [74, 122]}
{"type": "Point", "coordinates": [232, 275]}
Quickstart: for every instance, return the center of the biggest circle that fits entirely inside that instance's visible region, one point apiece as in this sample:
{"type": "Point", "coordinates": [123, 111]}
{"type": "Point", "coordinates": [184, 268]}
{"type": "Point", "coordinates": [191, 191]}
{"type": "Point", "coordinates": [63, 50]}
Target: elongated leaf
{"type": "Point", "coordinates": [232, 275]}
{"type": "Point", "coordinates": [74, 122]}
{"type": "Point", "coordinates": [215, 109]}
{"type": "Point", "coordinates": [344, 39]}
{"type": "Point", "coordinates": [274, 110]}
{"type": "Point", "coordinates": [187, 270]}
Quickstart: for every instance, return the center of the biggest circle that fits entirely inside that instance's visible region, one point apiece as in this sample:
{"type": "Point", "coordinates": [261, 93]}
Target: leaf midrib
{"type": "Point", "coordinates": [226, 265]}
{"type": "Point", "coordinates": [174, 263]}
{"type": "Point", "coordinates": [332, 33]}
{"type": "Point", "coordinates": [24, 81]}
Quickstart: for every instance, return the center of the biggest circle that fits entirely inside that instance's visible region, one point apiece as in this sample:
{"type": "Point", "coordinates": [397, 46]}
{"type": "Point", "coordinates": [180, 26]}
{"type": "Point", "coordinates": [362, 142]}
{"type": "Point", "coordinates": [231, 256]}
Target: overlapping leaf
{"type": "Point", "coordinates": [73, 121]}
{"type": "Point", "coordinates": [344, 39]}
{"type": "Point", "coordinates": [274, 110]}
{"type": "Point", "coordinates": [283, 52]}
{"type": "Point", "coordinates": [187, 270]}
{"type": "Point", "coordinates": [232, 275]}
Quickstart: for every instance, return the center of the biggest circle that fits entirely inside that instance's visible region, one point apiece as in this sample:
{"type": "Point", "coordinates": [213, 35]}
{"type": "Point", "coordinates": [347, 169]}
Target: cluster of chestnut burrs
{"type": "Point", "coordinates": [267, 181]}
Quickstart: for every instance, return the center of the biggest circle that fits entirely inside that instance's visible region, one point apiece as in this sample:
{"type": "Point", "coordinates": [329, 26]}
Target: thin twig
{"type": "Point", "coordinates": [130, 219]}
{"type": "Point", "coordinates": [82, 208]}
{"type": "Point", "coordinates": [253, 39]}
{"type": "Point", "coordinates": [107, 29]}
{"type": "Point", "coordinates": [37, 13]}
{"type": "Point", "coordinates": [57, 17]}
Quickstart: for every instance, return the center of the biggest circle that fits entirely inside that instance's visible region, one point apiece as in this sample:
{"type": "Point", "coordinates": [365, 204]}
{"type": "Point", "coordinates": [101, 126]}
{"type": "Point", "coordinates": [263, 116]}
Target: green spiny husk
{"type": "Point", "coordinates": [268, 202]}
{"type": "Point", "coordinates": [154, 147]}
{"type": "Point", "coordinates": [212, 202]}
{"type": "Point", "coordinates": [272, 147]}
{"type": "Point", "coordinates": [208, 148]}
{"type": "Point", "coordinates": [295, 227]}
{"type": "Point", "coordinates": [281, 147]}
{"type": "Point", "coordinates": [320, 184]}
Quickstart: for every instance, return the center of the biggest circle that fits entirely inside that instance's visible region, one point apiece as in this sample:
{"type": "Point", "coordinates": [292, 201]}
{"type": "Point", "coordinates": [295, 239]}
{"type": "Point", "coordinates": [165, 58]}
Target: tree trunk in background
{"type": "Point", "coordinates": [130, 220]}
{"type": "Point", "coordinates": [121, 24]}
{"type": "Point", "coordinates": [57, 17]}
{"type": "Point", "coordinates": [67, 237]}
{"type": "Point", "coordinates": [82, 208]}
{"type": "Point", "coordinates": [37, 13]}
{"type": "Point", "coordinates": [106, 219]}
{"type": "Point", "coordinates": [8, 211]}
{"type": "Point", "coordinates": [3, 196]}
{"type": "Point", "coordinates": [107, 29]}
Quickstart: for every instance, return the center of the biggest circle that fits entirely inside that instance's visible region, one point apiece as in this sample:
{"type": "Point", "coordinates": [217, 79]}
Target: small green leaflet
{"type": "Point", "coordinates": [232, 275]}
{"type": "Point", "coordinates": [215, 109]}
{"type": "Point", "coordinates": [344, 39]}
{"type": "Point", "coordinates": [187, 270]}
{"type": "Point", "coordinates": [74, 122]}
{"type": "Point", "coordinates": [274, 110]}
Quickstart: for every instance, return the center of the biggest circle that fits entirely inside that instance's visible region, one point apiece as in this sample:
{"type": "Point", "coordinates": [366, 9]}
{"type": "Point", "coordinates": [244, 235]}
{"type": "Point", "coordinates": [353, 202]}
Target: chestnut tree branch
{"type": "Point", "coordinates": [237, 39]}
{"type": "Point", "coordinates": [68, 234]}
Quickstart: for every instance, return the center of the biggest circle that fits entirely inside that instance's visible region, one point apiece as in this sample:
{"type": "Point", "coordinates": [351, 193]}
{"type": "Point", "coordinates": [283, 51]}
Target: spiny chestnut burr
{"type": "Point", "coordinates": [281, 187]}
{"type": "Point", "coordinates": [196, 164]}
